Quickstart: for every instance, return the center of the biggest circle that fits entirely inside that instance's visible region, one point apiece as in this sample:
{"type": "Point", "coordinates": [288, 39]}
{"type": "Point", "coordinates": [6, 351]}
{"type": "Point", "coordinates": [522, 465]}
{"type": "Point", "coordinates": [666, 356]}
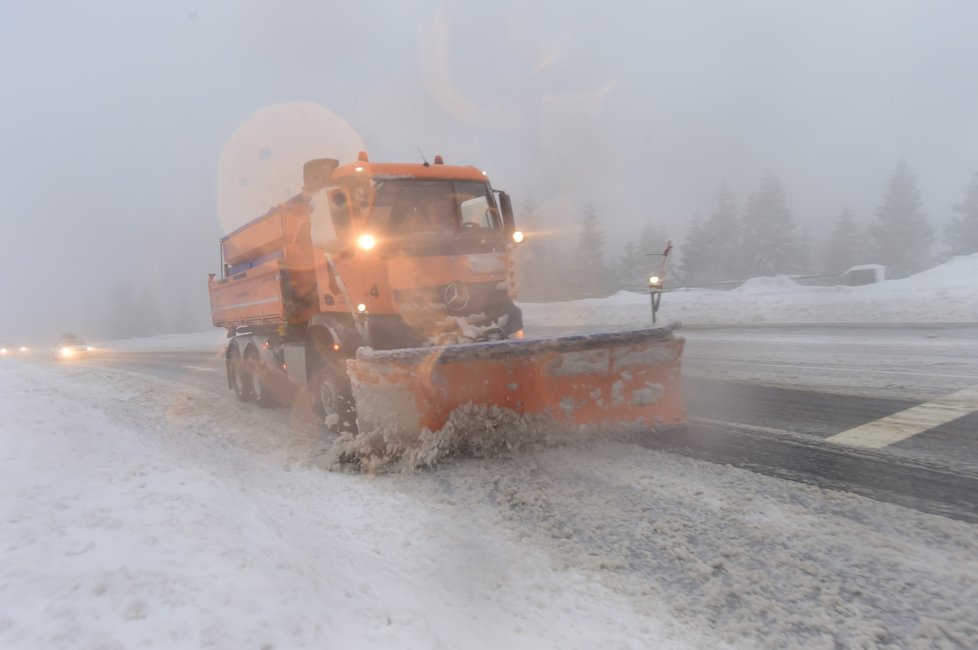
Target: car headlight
{"type": "Point", "coordinates": [66, 351]}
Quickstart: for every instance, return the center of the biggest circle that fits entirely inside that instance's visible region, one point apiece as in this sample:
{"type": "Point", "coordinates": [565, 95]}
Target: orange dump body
{"type": "Point", "coordinates": [270, 277]}
{"type": "Point", "coordinates": [616, 379]}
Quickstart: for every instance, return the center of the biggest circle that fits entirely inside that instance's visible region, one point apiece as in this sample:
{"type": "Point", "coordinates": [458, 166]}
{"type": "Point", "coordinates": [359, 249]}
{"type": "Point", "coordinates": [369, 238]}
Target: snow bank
{"type": "Point", "coordinates": [945, 294]}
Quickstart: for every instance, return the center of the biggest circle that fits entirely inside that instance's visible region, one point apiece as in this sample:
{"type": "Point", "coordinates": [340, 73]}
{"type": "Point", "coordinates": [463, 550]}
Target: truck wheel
{"type": "Point", "coordinates": [260, 381]}
{"type": "Point", "coordinates": [333, 400]}
{"type": "Point", "coordinates": [240, 381]}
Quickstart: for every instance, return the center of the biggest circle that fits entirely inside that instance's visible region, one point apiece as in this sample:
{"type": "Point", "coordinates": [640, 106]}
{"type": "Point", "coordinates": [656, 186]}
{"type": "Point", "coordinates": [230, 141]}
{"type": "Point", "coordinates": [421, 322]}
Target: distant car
{"type": "Point", "coordinates": [11, 350]}
{"type": "Point", "coordinates": [70, 346]}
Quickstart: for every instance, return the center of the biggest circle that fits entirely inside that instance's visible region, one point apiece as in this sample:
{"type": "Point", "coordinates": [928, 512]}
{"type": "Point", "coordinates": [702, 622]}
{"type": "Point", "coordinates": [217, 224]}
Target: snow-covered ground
{"type": "Point", "coordinates": [140, 512]}
{"type": "Point", "coordinates": [145, 515]}
{"type": "Point", "coordinates": [945, 294]}
{"type": "Point", "coordinates": [143, 512]}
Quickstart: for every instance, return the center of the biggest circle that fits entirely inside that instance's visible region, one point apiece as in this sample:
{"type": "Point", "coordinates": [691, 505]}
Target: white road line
{"type": "Point", "coordinates": [741, 425]}
{"type": "Point", "coordinates": [802, 366]}
{"type": "Point", "coordinates": [201, 368]}
{"type": "Point", "coordinates": [910, 422]}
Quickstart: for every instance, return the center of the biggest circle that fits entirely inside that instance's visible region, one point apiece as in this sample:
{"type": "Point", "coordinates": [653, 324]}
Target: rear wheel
{"type": "Point", "coordinates": [333, 400]}
{"type": "Point", "coordinates": [260, 381]}
{"type": "Point", "coordinates": [239, 376]}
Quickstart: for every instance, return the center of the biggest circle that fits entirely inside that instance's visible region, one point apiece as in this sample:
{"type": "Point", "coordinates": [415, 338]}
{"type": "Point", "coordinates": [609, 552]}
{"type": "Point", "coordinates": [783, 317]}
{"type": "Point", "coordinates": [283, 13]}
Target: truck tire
{"type": "Point", "coordinates": [238, 372]}
{"type": "Point", "coordinates": [260, 380]}
{"type": "Point", "coordinates": [333, 400]}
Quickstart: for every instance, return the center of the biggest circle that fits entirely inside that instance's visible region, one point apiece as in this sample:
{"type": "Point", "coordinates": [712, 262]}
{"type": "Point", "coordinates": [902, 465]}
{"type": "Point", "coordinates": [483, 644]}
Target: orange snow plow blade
{"type": "Point", "coordinates": [547, 388]}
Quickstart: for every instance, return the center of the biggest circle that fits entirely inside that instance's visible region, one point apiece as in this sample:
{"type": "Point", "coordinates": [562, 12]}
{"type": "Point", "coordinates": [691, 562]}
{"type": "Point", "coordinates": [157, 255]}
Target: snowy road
{"type": "Point", "coordinates": [772, 398]}
{"type": "Point", "coordinates": [162, 510]}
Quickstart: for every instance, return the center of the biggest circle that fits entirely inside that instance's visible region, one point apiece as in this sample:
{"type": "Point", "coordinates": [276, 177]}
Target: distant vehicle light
{"type": "Point", "coordinates": [66, 351]}
{"type": "Point", "coordinates": [358, 168]}
{"type": "Point", "coordinates": [23, 348]}
{"type": "Point", "coordinates": [518, 236]}
{"type": "Point", "coordinates": [366, 241]}
{"type": "Point", "coordinates": [3, 350]}
{"type": "Point", "coordinates": [89, 348]}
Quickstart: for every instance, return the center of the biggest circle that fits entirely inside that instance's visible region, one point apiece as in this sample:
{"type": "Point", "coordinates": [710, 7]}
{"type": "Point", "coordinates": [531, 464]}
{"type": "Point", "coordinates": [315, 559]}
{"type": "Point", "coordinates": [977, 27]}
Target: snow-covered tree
{"type": "Point", "coordinates": [901, 238]}
{"type": "Point", "coordinates": [961, 232]}
{"type": "Point", "coordinates": [769, 243]}
{"type": "Point", "coordinates": [590, 274]}
{"type": "Point", "coordinates": [630, 269]}
{"type": "Point", "coordinates": [844, 246]}
{"type": "Point", "coordinates": [712, 250]}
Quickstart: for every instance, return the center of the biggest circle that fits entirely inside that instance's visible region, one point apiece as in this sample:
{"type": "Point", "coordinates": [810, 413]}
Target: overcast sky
{"type": "Point", "coordinates": [135, 134]}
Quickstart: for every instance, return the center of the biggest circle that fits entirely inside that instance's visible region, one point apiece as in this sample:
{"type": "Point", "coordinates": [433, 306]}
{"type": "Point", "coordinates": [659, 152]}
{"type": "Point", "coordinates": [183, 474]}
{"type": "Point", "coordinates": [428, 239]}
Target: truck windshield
{"type": "Point", "coordinates": [413, 207]}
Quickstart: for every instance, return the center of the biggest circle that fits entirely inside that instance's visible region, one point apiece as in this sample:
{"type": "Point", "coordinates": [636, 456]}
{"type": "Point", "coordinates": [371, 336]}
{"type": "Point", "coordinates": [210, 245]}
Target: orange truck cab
{"type": "Point", "coordinates": [378, 255]}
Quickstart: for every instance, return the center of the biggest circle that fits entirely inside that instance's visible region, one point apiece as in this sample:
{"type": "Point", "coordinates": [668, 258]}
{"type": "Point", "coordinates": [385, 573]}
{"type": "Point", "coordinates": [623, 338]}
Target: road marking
{"type": "Point", "coordinates": [909, 422]}
{"type": "Point", "coordinates": [741, 425]}
{"type": "Point", "coordinates": [201, 368]}
{"type": "Point", "coordinates": [803, 366]}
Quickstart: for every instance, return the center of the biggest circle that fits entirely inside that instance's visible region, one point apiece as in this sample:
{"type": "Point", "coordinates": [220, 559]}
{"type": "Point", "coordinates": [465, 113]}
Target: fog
{"type": "Point", "coordinates": [135, 135]}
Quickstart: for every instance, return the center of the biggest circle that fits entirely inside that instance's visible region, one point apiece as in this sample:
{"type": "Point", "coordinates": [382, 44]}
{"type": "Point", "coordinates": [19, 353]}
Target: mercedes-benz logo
{"type": "Point", "coordinates": [456, 296]}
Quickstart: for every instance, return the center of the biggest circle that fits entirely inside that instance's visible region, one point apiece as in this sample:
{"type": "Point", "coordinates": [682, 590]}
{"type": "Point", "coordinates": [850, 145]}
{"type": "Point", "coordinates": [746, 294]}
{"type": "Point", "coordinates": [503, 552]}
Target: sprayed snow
{"type": "Point", "coordinates": [471, 430]}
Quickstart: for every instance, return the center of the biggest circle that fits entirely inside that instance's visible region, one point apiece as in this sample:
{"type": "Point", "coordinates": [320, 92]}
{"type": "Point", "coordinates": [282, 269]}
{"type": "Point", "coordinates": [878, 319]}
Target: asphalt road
{"type": "Point", "coordinates": [792, 402]}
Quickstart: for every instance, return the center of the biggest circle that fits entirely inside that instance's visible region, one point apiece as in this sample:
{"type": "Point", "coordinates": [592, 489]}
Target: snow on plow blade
{"type": "Point", "coordinates": [424, 403]}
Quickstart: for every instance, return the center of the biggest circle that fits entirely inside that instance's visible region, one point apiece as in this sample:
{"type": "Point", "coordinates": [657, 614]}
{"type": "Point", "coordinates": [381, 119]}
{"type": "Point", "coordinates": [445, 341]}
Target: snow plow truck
{"type": "Point", "coordinates": [387, 290]}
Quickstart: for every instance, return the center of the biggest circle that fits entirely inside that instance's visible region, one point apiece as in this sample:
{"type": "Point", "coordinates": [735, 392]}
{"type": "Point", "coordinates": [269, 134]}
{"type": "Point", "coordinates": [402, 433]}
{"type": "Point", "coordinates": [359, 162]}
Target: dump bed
{"type": "Point", "coordinates": [268, 274]}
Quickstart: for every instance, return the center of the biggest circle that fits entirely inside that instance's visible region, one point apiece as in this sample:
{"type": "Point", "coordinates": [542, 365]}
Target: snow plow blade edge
{"type": "Point", "coordinates": [606, 380]}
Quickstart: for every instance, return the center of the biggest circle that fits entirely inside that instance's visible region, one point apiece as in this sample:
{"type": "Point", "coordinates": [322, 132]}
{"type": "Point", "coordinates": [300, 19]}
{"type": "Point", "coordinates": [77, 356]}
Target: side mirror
{"type": "Point", "coordinates": [509, 221]}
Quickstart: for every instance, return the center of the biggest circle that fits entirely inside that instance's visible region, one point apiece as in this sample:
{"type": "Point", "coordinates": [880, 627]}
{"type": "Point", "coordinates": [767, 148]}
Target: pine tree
{"type": "Point", "coordinates": [590, 272]}
{"type": "Point", "coordinates": [695, 262]}
{"type": "Point", "coordinates": [902, 236]}
{"type": "Point", "coordinates": [843, 248]}
{"type": "Point", "coordinates": [770, 246]}
{"type": "Point", "coordinates": [712, 250]}
{"type": "Point", "coordinates": [629, 270]}
{"type": "Point", "coordinates": [962, 233]}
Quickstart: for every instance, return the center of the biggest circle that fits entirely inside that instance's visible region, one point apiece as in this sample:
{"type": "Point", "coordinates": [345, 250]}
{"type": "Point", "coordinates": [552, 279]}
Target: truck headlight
{"type": "Point", "coordinates": [366, 241]}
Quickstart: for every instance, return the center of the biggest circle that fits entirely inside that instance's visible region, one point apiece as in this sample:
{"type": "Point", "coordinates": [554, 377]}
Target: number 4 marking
{"type": "Point", "coordinates": [374, 291]}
